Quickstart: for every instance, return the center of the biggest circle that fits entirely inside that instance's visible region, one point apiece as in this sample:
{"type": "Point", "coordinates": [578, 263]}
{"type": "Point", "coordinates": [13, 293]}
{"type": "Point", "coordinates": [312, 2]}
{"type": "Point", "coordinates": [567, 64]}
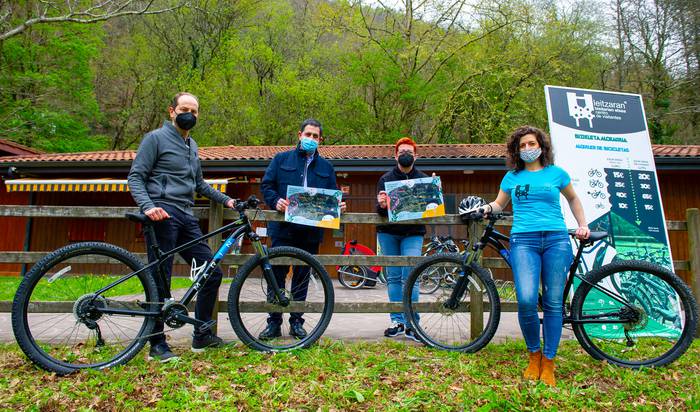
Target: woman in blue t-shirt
{"type": "Point", "coordinates": [539, 242]}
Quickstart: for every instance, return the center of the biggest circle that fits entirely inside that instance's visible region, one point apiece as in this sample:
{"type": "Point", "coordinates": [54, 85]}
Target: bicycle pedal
{"type": "Point", "coordinates": [206, 326]}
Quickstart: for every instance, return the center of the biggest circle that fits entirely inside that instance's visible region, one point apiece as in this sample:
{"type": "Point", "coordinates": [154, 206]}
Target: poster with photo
{"type": "Point", "coordinates": [414, 198]}
{"type": "Point", "coordinates": [601, 139]}
{"type": "Point", "coordinates": [313, 207]}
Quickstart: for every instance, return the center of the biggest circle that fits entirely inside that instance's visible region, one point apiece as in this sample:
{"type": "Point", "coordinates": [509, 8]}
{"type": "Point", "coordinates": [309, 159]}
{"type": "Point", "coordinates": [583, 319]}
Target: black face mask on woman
{"type": "Point", "coordinates": [406, 159]}
{"type": "Point", "coordinates": [185, 121]}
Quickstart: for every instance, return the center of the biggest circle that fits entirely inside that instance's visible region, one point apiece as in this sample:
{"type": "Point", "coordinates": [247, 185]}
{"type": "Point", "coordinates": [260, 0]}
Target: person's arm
{"type": "Point", "coordinates": [333, 185]}
{"type": "Point", "coordinates": [204, 189]}
{"type": "Point", "coordinates": [268, 187]}
{"type": "Point", "coordinates": [502, 200]}
{"type": "Point", "coordinates": [381, 206]}
{"type": "Point", "coordinates": [577, 209]}
{"type": "Point", "coordinates": [141, 169]}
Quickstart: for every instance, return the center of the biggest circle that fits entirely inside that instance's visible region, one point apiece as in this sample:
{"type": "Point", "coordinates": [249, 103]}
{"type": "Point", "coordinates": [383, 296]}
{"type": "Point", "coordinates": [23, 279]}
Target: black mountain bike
{"type": "Point", "coordinates": [622, 325]}
{"type": "Point", "coordinates": [93, 305]}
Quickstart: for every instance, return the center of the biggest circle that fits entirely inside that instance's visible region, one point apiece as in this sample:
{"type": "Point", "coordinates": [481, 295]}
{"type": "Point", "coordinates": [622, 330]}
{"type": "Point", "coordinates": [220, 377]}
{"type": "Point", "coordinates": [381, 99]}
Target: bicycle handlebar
{"type": "Point", "coordinates": [251, 203]}
{"type": "Point", "coordinates": [480, 214]}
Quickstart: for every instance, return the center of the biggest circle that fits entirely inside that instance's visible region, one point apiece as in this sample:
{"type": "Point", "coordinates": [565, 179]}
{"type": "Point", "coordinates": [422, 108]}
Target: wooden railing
{"type": "Point", "coordinates": [216, 215]}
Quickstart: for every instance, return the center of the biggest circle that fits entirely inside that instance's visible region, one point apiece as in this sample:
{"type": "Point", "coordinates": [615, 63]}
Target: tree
{"type": "Point", "coordinates": [17, 17]}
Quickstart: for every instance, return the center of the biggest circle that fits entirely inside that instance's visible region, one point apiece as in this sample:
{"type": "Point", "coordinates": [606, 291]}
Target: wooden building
{"type": "Point", "coordinates": [97, 179]}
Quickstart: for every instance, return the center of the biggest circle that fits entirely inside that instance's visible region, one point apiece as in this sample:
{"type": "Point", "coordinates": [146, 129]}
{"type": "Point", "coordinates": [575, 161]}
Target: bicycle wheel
{"type": "Point", "coordinates": [652, 318]}
{"type": "Point", "coordinates": [429, 281]}
{"type": "Point", "coordinates": [352, 277]}
{"type": "Point", "coordinates": [56, 317]}
{"type": "Point", "coordinates": [249, 305]}
{"type": "Point", "coordinates": [467, 328]}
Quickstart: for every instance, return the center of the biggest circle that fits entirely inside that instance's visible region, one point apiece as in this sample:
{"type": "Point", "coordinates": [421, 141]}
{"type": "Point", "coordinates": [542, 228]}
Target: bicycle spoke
{"type": "Point", "coordinates": [63, 319]}
{"type": "Point", "coordinates": [649, 328]}
{"type": "Point", "coordinates": [264, 321]}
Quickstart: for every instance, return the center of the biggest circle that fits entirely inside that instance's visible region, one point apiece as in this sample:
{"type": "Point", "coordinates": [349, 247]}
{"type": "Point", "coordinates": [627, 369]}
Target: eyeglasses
{"type": "Point", "coordinates": [310, 135]}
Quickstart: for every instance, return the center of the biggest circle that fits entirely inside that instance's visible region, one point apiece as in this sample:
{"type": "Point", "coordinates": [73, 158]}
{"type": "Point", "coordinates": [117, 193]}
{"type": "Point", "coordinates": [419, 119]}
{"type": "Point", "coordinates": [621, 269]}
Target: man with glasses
{"type": "Point", "coordinates": [302, 166]}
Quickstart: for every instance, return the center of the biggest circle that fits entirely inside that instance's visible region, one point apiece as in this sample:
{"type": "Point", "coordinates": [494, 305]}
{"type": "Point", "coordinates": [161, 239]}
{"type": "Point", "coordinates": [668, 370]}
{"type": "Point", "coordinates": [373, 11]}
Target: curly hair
{"type": "Point", "coordinates": [513, 159]}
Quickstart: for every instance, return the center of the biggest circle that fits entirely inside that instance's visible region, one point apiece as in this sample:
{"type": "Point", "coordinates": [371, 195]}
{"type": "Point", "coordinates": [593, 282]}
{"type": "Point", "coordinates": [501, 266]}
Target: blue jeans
{"type": "Point", "coordinates": [396, 245]}
{"type": "Point", "coordinates": [545, 255]}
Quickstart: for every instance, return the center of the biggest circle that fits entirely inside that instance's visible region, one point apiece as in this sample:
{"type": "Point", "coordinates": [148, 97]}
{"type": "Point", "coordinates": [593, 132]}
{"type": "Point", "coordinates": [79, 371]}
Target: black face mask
{"type": "Point", "coordinates": [406, 160]}
{"type": "Point", "coordinates": [185, 121]}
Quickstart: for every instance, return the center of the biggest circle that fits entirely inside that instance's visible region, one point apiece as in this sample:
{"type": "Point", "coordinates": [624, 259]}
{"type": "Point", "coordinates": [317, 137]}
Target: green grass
{"type": "Point", "coordinates": [359, 376]}
{"type": "Point", "coordinates": [48, 292]}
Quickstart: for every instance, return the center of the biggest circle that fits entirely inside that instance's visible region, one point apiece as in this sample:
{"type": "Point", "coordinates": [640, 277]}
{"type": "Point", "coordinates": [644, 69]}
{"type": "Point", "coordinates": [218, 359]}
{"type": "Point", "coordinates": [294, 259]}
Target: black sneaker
{"type": "Point", "coordinates": [297, 330]}
{"type": "Point", "coordinates": [395, 329]}
{"type": "Point", "coordinates": [411, 334]}
{"type": "Point", "coordinates": [271, 331]}
{"type": "Point", "coordinates": [161, 352]}
{"type": "Point", "coordinates": [202, 342]}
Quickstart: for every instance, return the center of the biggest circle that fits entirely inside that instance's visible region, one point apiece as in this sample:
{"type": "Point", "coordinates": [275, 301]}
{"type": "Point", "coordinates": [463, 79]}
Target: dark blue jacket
{"type": "Point", "coordinates": [287, 168]}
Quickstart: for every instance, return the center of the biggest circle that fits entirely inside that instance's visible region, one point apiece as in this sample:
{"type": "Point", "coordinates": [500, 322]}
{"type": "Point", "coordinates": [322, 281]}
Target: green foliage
{"type": "Point", "coordinates": [447, 72]}
{"type": "Point", "coordinates": [48, 99]}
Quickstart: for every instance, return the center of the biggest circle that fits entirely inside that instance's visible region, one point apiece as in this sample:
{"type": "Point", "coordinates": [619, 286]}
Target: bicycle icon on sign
{"type": "Point", "coordinates": [598, 194]}
{"type": "Point", "coordinates": [595, 173]}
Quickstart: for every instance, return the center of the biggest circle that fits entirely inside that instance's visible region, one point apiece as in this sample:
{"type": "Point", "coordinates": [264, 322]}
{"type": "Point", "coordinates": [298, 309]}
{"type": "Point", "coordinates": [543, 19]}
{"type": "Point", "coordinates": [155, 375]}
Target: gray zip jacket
{"type": "Point", "coordinates": [167, 170]}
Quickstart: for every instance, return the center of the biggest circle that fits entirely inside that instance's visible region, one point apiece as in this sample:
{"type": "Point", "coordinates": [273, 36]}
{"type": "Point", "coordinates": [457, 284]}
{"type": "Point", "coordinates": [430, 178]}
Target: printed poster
{"type": "Point", "coordinates": [313, 207]}
{"type": "Point", "coordinates": [414, 198]}
{"type": "Point", "coordinates": [601, 139]}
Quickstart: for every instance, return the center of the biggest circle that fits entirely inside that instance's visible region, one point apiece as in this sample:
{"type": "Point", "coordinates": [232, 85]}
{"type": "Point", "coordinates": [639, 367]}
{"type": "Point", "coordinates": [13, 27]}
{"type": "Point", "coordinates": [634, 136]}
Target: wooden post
{"type": "Point", "coordinates": [693, 219]}
{"type": "Point", "coordinates": [476, 298]}
{"type": "Point", "coordinates": [216, 220]}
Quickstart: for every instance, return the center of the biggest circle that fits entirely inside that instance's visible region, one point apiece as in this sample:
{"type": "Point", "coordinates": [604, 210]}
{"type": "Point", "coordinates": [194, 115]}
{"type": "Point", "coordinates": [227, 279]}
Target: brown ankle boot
{"type": "Point", "coordinates": [533, 368]}
{"type": "Point", "coordinates": [547, 374]}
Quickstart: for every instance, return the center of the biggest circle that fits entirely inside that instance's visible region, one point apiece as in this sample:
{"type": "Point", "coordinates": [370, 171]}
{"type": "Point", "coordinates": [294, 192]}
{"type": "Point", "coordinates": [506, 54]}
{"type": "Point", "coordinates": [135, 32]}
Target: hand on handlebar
{"type": "Point", "coordinates": [251, 203]}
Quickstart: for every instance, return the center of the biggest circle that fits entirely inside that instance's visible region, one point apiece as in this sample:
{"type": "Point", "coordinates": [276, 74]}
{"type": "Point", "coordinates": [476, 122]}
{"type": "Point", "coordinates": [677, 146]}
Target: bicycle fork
{"type": "Point", "coordinates": [277, 295]}
{"type": "Point", "coordinates": [462, 283]}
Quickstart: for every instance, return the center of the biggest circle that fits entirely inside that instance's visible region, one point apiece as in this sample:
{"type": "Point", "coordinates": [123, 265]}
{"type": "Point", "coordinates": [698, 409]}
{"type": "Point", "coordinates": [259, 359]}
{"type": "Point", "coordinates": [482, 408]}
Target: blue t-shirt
{"type": "Point", "coordinates": [535, 197]}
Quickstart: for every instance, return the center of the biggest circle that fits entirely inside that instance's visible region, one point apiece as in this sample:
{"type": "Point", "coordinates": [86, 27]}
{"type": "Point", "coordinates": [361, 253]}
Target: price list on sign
{"type": "Point", "coordinates": [634, 196]}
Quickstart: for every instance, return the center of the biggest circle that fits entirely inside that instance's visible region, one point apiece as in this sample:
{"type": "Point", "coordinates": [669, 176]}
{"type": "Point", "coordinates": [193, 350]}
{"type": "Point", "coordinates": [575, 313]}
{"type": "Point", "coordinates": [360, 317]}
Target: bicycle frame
{"type": "Point", "coordinates": [240, 227]}
{"type": "Point", "coordinates": [495, 239]}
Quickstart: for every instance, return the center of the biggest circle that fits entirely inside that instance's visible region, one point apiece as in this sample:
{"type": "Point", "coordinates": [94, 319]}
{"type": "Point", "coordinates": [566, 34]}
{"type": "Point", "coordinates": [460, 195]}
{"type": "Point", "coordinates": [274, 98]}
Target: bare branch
{"type": "Point", "coordinates": [105, 10]}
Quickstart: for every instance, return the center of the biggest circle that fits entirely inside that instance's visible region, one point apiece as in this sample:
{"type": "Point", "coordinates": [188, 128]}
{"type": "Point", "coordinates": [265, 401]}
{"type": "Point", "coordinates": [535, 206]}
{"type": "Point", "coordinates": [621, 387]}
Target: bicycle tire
{"type": "Point", "coordinates": [439, 336]}
{"type": "Point", "coordinates": [350, 281]}
{"type": "Point", "coordinates": [611, 348]}
{"type": "Point", "coordinates": [250, 284]}
{"type": "Point", "coordinates": [25, 323]}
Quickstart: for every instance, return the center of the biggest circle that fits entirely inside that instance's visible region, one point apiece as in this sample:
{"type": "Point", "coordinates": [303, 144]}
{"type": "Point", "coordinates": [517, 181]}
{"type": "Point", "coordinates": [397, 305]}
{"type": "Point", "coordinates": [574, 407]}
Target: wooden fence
{"type": "Point", "coordinates": [216, 216]}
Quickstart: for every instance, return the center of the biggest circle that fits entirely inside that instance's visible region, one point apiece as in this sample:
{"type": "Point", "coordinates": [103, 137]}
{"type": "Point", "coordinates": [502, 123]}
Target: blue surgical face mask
{"type": "Point", "coordinates": [308, 145]}
{"type": "Point", "coordinates": [530, 156]}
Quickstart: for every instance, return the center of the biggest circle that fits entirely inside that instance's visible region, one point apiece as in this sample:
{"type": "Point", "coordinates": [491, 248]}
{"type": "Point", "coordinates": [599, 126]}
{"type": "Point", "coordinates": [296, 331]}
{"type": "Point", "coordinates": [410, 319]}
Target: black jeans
{"type": "Point", "coordinates": [170, 233]}
{"type": "Point", "coordinates": [300, 279]}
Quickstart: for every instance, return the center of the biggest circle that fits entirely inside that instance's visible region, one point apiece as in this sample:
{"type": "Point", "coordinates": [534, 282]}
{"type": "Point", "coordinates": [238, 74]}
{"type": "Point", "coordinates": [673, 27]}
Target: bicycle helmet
{"type": "Point", "coordinates": [468, 205]}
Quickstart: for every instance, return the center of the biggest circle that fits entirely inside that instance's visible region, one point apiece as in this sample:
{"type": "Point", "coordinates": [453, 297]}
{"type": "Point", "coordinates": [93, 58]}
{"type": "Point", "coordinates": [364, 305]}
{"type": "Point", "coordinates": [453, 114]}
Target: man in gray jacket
{"type": "Point", "coordinates": [164, 176]}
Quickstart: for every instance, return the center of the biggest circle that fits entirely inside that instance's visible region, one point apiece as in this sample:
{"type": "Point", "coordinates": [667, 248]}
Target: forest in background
{"type": "Point", "coordinates": [80, 75]}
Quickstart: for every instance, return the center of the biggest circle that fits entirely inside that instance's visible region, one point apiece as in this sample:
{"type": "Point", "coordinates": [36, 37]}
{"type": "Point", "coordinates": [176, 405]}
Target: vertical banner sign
{"type": "Point", "coordinates": [601, 139]}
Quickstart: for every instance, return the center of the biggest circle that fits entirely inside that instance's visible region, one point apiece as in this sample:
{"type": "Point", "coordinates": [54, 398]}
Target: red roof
{"type": "Point", "coordinates": [437, 151]}
{"type": "Point", "coordinates": [8, 146]}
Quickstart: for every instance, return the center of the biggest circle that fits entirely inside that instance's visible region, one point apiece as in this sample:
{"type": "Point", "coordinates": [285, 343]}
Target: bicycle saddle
{"type": "Point", "coordinates": [139, 218]}
{"type": "Point", "coordinates": [594, 237]}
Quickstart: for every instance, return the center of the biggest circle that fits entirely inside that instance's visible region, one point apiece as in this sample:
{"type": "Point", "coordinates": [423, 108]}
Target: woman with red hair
{"type": "Point", "coordinates": [399, 240]}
